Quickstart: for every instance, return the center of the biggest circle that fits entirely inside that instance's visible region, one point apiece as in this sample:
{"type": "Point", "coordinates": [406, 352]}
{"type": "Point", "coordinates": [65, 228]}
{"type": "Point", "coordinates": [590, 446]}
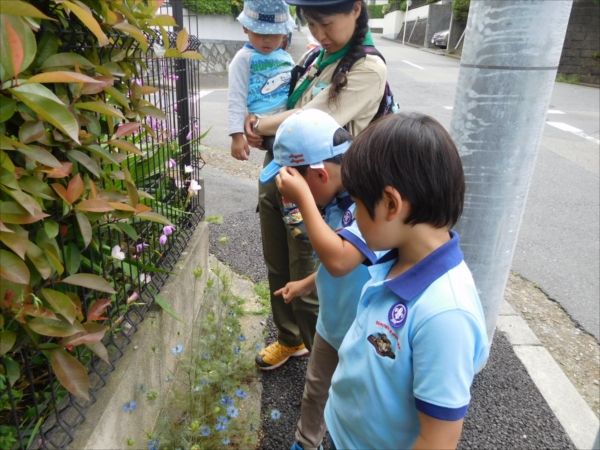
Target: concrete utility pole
{"type": "Point", "coordinates": [507, 73]}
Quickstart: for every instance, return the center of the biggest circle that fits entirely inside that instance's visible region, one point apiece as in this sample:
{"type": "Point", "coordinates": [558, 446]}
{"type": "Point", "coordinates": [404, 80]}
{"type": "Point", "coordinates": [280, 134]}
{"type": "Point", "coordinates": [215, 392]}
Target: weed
{"type": "Point", "coordinates": [215, 219]}
{"type": "Point", "coordinates": [264, 295]}
{"type": "Point", "coordinates": [573, 79]}
{"type": "Point", "coordinates": [223, 240]}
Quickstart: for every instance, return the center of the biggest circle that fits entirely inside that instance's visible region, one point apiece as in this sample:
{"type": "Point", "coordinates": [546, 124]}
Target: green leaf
{"type": "Point", "coordinates": [118, 96]}
{"type": "Point", "coordinates": [37, 187]}
{"type": "Point", "coordinates": [17, 44]}
{"type": "Point", "coordinates": [88, 19]}
{"type": "Point", "coordinates": [61, 304]}
{"type": "Point", "coordinates": [62, 77]}
{"type": "Point", "coordinates": [162, 20]}
{"type": "Point", "coordinates": [94, 332]}
{"type": "Point", "coordinates": [94, 205]}
{"type": "Point", "coordinates": [135, 32]}
{"type": "Point", "coordinates": [164, 305]}
{"type": "Point", "coordinates": [25, 200]}
{"type": "Point", "coordinates": [152, 111]}
{"type": "Point", "coordinates": [125, 145]}
{"type": "Point", "coordinates": [54, 328]}
{"type": "Point", "coordinates": [17, 8]}
{"type": "Point", "coordinates": [12, 268]}
{"type": "Point", "coordinates": [52, 255]}
{"type": "Point", "coordinates": [7, 340]}
{"type": "Point", "coordinates": [51, 228]}
{"type": "Point", "coordinates": [112, 157]}
{"type": "Point", "coordinates": [31, 131]}
{"type": "Point", "coordinates": [6, 144]}
{"type": "Point", "coordinates": [85, 161]}
{"type": "Point", "coordinates": [100, 350]}
{"type": "Point", "coordinates": [113, 69]}
{"type": "Point", "coordinates": [12, 212]}
{"type": "Point", "coordinates": [91, 282]}
{"type": "Point", "coordinates": [73, 261]}
{"type": "Point", "coordinates": [154, 217]}
{"type": "Point", "coordinates": [46, 104]}
{"type": "Point", "coordinates": [85, 227]}
{"type": "Point", "coordinates": [47, 47]}
{"type": "Point", "coordinates": [129, 230]}
{"type": "Point", "coordinates": [8, 106]}
{"type": "Point", "coordinates": [101, 108]}
{"type": "Point", "coordinates": [66, 60]}
{"type": "Point", "coordinates": [190, 54]}
{"type": "Point", "coordinates": [14, 242]}
{"type": "Point", "coordinates": [71, 374]}
{"type": "Point", "coordinates": [43, 156]}
{"type": "Point", "coordinates": [13, 373]}
{"type": "Point", "coordinates": [38, 258]}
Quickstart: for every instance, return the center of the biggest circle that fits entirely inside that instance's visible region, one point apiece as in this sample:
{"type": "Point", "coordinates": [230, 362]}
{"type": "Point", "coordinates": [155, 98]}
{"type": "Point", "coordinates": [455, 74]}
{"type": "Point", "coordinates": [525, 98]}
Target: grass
{"type": "Point", "coordinates": [215, 219]}
{"type": "Point", "coordinates": [573, 79]}
{"type": "Point", "coordinates": [264, 295]}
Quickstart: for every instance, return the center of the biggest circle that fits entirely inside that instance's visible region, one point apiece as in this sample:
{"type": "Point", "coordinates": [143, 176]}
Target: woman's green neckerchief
{"type": "Point", "coordinates": [318, 67]}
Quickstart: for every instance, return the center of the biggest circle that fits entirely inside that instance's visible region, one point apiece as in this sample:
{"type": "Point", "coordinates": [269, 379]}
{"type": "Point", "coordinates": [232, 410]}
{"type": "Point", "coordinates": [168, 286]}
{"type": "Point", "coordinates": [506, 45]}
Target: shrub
{"type": "Point", "coordinates": [375, 11]}
{"type": "Point", "coordinates": [205, 7]}
{"type": "Point", "coordinates": [460, 8]}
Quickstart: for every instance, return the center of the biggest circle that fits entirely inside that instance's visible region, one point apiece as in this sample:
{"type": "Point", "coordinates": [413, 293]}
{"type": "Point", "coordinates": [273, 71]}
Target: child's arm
{"type": "Point", "coordinates": [438, 434]}
{"type": "Point", "coordinates": [339, 256]}
{"type": "Point", "coordinates": [239, 74]}
{"type": "Point", "coordinates": [298, 288]}
{"type": "Point", "coordinates": [239, 147]}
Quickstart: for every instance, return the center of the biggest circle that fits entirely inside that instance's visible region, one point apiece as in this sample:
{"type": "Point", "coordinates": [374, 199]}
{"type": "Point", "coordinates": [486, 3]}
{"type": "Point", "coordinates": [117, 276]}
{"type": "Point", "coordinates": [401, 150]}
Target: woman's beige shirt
{"type": "Point", "coordinates": [358, 102]}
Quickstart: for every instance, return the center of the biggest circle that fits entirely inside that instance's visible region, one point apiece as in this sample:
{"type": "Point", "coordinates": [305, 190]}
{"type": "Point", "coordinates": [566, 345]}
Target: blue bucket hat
{"type": "Point", "coordinates": [304, 138]}
{"type": "Point", "coordinates": [266, 17]}
{"type": "Point", "coordinates": [316, 2]}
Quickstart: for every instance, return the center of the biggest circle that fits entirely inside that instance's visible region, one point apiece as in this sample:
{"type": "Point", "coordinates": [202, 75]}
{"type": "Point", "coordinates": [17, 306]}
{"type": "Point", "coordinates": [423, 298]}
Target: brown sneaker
{"type": "Point", "coordinates": [274, 355]}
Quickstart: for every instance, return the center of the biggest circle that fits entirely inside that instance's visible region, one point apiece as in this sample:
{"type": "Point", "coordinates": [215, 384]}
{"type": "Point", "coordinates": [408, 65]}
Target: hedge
{"type": "Point", "coordinates": [375, 11]}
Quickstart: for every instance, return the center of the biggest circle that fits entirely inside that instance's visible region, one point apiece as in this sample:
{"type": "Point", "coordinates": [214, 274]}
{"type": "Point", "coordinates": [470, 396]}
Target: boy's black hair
{"type": "Point", "coordinates": [414, 154]}
{"type": "Point", "coordinates": [340, 136]}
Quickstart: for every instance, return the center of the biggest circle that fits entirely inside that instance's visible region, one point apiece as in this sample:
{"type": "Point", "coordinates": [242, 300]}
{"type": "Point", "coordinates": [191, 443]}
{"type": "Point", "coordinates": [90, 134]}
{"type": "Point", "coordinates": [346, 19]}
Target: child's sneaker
{"type": "Point", "coordinates": [274, 355]}
{"type": "Point", "coordinates": [298, 446]}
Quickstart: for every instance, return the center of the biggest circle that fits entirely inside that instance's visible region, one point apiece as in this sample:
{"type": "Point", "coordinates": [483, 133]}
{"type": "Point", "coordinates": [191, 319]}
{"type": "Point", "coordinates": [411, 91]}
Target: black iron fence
{"type": "Point", "coordinates": [37, 411]}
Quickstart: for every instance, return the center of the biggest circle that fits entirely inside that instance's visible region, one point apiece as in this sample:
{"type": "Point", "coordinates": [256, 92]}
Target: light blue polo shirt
{"type": "Point", "coordinates": [338, 297]}
{"type": "Point", "coordinates": [416, 343]}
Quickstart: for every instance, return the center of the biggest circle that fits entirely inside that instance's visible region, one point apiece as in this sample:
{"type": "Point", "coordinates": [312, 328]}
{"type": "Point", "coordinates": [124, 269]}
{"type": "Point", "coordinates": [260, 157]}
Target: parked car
{"type": "Point", "coordinates": [440, 39]}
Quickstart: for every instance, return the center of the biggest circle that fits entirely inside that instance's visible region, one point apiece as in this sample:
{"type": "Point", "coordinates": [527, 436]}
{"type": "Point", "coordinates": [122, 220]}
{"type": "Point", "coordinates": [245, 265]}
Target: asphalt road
{"type": "Point", "coordinates": [558, 246]}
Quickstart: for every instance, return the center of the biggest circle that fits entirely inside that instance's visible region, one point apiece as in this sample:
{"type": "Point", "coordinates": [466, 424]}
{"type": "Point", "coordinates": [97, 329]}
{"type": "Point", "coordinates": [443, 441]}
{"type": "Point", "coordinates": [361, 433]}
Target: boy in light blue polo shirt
{"type": "Point", "coordinates": [407, 362]}
{"type": "Point", "coordinates": [308, 151]}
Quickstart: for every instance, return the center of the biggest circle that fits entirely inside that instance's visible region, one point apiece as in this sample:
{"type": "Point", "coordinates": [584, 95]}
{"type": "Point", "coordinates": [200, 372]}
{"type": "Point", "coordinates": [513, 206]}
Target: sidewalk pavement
{"type": "Point", "coordinates": [522, 399]}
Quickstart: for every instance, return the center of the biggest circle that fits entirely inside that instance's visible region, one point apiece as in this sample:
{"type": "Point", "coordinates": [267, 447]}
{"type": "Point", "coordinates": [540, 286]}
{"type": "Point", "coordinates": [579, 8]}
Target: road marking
{"type": "Point", "coordinates": [555, 111]}
{"type": "Point", "coordinates": [447, 107]}
{"type": "Point", "coordinates": [576, 131]}
{"type": "Point", "coordinates": [418, 67]}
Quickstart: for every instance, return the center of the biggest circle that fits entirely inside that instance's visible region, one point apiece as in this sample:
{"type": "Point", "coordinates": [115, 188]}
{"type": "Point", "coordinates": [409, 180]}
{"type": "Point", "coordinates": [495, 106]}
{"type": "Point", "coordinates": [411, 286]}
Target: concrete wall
{"type": "Point", "coordinates": [438, 20]}
{"type": "Point", "coordinates": [415, 32]}
{"type": "Point", "coordinates": [581, 51]}
{"type": "Point", "coordinates": [392, 23]}
{"type": "Point", "coordinates": [376, 25]}
{"type": "Point", "coordinates": [456, 31]}
{"type": "Point", "coordinates": [218, 54]}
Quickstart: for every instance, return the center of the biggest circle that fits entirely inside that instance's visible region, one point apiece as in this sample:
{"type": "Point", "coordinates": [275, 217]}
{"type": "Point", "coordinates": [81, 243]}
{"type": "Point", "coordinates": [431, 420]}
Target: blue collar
{"type": "Point", "coordinates": [411, 283]}
{"type": "Point", "coordinates": [344, 201]}
{"type": "Point", "coordinates": [249, 46]}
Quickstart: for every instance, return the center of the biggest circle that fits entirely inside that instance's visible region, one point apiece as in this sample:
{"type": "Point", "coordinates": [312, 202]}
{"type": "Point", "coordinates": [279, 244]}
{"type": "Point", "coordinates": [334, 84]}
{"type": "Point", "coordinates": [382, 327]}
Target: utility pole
{"type": "Point", "coordinates": [507, 72]}
{"type": "Point", "coordinates": [408, 3]}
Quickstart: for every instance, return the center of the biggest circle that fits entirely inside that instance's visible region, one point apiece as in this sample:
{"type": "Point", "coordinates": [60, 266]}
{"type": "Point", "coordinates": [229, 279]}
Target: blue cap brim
{"type": "Point", "coordinates": [269, 172]}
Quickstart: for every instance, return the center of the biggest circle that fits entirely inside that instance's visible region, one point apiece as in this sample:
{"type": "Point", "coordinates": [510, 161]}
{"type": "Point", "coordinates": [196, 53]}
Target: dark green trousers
{"type": "Point", "coordinates": [288, 259]}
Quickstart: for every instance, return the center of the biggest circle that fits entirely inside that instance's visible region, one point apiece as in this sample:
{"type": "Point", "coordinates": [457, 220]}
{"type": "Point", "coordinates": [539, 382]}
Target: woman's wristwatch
{"type": "Point", "coordinates": [255, 126]}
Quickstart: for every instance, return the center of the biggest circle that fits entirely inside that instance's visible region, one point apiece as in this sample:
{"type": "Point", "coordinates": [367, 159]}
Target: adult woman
{"type": "Point", "coordinates": [352, 99]}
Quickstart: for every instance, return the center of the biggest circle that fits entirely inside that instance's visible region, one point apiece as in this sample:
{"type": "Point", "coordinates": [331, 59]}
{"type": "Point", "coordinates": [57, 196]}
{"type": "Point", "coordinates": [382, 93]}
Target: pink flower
{"type": "Point", "coordinates": [171, 162]}
{"type": "Point", "coordinates": [168, 230]}
{"type": "Point", "coordinates": [140, 247]}
{"type": "Point", "coordinates": [175, 108]}
{"type": "Point", "coordinates": [162, 240]}
{"type": "Point", "coordinates": [189, 136]}
{"type": "Point", "coordinates": [194, 188]}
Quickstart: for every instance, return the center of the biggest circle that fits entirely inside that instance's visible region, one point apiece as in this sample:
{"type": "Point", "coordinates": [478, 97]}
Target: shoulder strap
{"type": "Point", "coordinates": [298, 71]}
{"type": "Point", "coordinates": [365, 50]}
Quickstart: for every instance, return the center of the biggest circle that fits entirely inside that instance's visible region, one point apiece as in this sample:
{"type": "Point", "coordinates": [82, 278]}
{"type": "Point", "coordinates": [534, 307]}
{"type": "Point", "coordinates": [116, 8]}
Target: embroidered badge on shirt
{"type": "Point", "coordinates": [397, 315]}
{"type": "Point", "coordinates": [347, 218]}
{"type": "Point", "coordinates": [382, 345]}
{"type": "Point", "coordinates": [319, 87]}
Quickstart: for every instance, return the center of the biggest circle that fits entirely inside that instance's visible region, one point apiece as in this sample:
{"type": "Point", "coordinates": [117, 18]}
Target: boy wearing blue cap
{"type": "Point", "coordinates": [407, 363]}
{"type": "Point", "coordinates": [308, 151]}
{"type": "Point", "coordinates": [259, 74]}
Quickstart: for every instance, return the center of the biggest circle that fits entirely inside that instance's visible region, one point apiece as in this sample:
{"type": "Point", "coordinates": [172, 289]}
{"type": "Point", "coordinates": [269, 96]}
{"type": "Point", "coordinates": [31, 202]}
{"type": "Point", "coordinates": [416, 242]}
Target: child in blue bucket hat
{"type": "Point", "coordinates": [259, 74]}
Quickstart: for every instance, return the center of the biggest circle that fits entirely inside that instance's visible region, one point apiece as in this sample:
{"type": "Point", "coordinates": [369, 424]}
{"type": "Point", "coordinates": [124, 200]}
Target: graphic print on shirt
{"type": "Point", "coordinates": [269, 81]}
{"type": "Point", "coordinates": [382, 345]}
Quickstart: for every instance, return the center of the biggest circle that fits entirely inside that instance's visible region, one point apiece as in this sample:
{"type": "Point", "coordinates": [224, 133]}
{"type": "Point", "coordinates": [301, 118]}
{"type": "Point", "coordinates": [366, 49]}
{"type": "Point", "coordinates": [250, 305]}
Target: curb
{"type": "Point", "coordinates": [573, 413]}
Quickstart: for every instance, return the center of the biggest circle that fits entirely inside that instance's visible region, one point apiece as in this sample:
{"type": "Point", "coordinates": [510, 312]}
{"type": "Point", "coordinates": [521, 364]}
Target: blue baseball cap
{"type": "Point", "coordinates": [266, 17]}
{"type": "Point", "coordinates": [316, 2]}
{"type": "Point", "coordinates": [304, 138]}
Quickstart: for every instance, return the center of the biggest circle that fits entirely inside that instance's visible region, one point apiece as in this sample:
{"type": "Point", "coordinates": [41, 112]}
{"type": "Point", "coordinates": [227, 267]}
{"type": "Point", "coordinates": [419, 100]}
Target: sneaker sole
{"type": "Point", "coordinates": [298, 354]}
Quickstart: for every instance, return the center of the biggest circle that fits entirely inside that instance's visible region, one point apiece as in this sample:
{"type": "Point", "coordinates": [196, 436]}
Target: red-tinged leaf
{"type": "Point", "coordinates": [125, 145]}
{"type": "Point", "coordinates": [12, 212]}
{"type": "Point", "coordinates": [75, 189]}
{"type": "Point", "coordinates": [100, 350]}
{"type": "Point", "coordinates": [154, 217]}
{"type": "Point", "coordinates": [7, 340]}
{"type": "Point", "coordinates": [102, 82]}
{"type": "Point", "coordinates": [62, 172]}
{"type": "Point", "coordinates": [127, 128]}
{"type": "Point", "coordinates": [62, 77]}
{"type": "Point", "coordinates": [4, 229]}
{"type": "Point", "coordinates": [98, 308]}
{"type": "Point", "coordinates": [122, 206]}
{"type": "Point", "coordinates": [91, 282]}
{"type": "Point", "coordinates": [54, 328]}
{"type": "Point", "coordinates": [33, 311]}
{"type": "Point", "coordinates": [93, 190]}
{"type": "Point", "coordinates": [61, 304]}
{"type": "Point", "coordinates": [61, 191]}
{"type": "Point", "coordinates": [85, 227]}
{"type": "Point", "coordinates": [141, 208]}
{"type": "Point", "coordinates": [13, 241]}
{"type": "Point", "coordinates": [12, 268]}
{"type": "Point", "coordinates": [26, 201]}
{"type": "Point", "coordinates": [66, 60]}
{"type": "Point", "coordinates": [88, 19]}
{"type": "Point", "coordinates": [94, 206]}
{"type": "Point", "coordinates": [11, 47]}
{"type": "Point", "coordinates": [39, 259]}
{"type": "Point", "coordinates": [94, 332]}
{"type": "Point", "coordinates": [31, 131]}
{"type": "Point", "coordinates": [182, 40]}
{"type": "Point", "coordinates": [71, 374]}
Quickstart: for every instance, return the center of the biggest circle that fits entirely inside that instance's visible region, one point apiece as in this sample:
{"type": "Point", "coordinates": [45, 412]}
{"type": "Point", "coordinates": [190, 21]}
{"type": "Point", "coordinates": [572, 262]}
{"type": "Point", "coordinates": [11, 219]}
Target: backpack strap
{"type": "Point", "coordinates": [344, 67]}
{"type": "Point", "coordinates": [298, 71]}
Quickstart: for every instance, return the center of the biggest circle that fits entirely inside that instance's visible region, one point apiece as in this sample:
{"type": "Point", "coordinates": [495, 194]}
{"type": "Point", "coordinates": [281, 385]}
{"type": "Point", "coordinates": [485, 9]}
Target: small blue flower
{"type": "Point", "coordinates": [226, 400]}
{"type": "Point", "coordinates": [142, 388]}
{"type": "Point", "coordinates": [177, 349]}
{"type": "Point", "coordinates": [221, 427]}
{"type": "Point", "coordinates": [205, 430]}
{"type": "Point", "coordinates": [252, 427]}
{"type": "Point", "coordinates": [202, 382]}
{"type": "Point", "coordinates": [169, 377]}
{"type": "Point", "coordinates": [223, 420]}
{"type": "Point", "coordinates": [226, 441]}
{"type": "Point", "coordinates": [257, 346]}
{"type": "Point", "coordinates": [206, 356]}
{"type": "Point", "coordinates": [129, 406]}
{"type": "Point", "coordinates": [232, 412]}
{"type": "Point", "coordinates": [241, 337]}
{"type": "Point", "coordinates": [154, 444]}
{"type": "Point", "coordinates": [240, 393]}
{"type": "Point", "coordinates": [275, 414]}
{"type": "Point", "coordinates": [231, 313]}
{"type": "Point", "coordinates": [236, 350]}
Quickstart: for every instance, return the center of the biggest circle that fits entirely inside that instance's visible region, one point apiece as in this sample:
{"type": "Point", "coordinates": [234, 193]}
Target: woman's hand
{"type": "Point", "coordinates": [253, 139]}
